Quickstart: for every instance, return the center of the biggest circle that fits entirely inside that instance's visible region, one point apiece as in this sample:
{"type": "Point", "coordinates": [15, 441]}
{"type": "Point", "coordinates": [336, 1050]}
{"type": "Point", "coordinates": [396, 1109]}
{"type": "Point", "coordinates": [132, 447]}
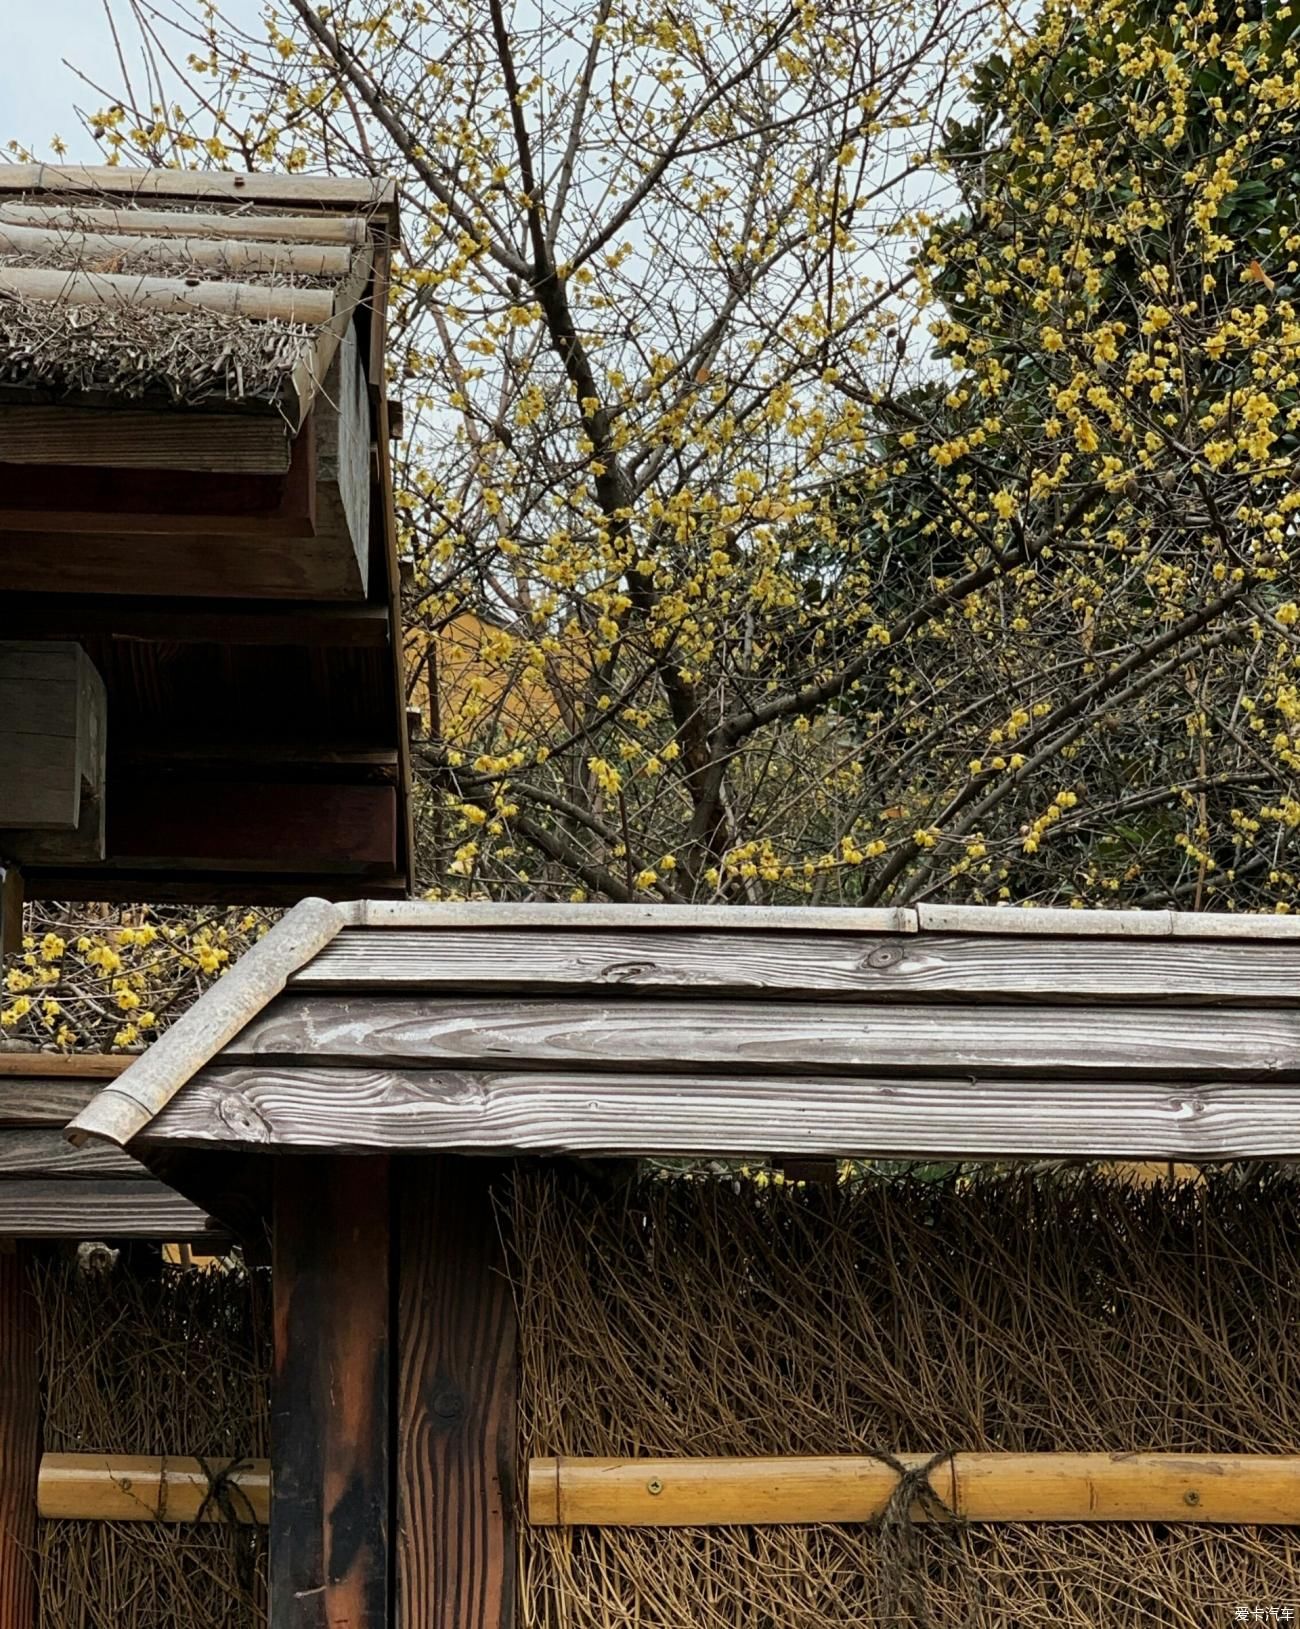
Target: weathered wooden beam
{"type": "Point", "coordinates": [823, 966]}
{"type": "Point", "coordinates": [152, 1488]}
{"type": "Point", "coordinates": [257, 824]}
{"type": "Point", "coordinates": [11, 907]}
{"type": "Point", "coordinates": [456, 1545]}
{"type": "Point", "coordinates": [171, 254]}
{"type": "Point", "coordinates": [373, 198]}
{"type": "Point", "coordinates": [132, 438]}
{"type": "Point", "coordinates": [20, 1439]}
{"type": "Point", "coordinates": [774, 1037]}
{"type": "Point", "coordinates": [179, 565]}
{"type": "Point", "coordinates": [195, 622]}
{"type": "Point", "coordinates": [740, 1114]}
{"type": "Point", "coordinates": [104, 1208]}
{"type": "Point", "coordinates": [52, 734]}
{"type": "Point", "coordinates": [259, 302]}
{"type": "Point", "coordinates": [1242, 1489]}
{"type": "Point", "coordinates": [168, 223]}
{"type": "Point", "coordinates": [330, 1508]}
{"type": "Point", "coordinates": [30, 1151]}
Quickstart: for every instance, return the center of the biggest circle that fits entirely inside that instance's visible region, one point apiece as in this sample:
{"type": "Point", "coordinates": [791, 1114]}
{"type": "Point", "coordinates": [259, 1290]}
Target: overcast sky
{"type": "Point", "coordinates": [37, 92]}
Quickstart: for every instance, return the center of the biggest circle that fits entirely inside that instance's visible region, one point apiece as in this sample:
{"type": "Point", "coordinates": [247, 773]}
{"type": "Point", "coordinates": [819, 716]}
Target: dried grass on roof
{"type": "Point", "coordinates": [1066, 1312]}
{"type": "Point", "coordinates": [158, 1361]}
{"type": "Point", "coordinates": [188, 358]}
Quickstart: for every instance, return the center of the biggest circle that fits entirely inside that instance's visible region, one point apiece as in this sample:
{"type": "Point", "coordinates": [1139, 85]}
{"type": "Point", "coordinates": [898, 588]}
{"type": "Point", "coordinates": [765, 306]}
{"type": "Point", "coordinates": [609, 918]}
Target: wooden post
{"type": "Point", "coordinates": [456, 1402]}
{"type": "Point", "coordinates": [331, 1277]}
{"type": "Point", "coordinates": [20, 1439]}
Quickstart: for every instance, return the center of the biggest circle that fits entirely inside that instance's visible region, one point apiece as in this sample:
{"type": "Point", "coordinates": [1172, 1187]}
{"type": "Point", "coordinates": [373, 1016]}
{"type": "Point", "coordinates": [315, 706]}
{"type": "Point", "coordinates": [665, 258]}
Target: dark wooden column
{"type": "Point", "coordinates": [456, 1437]}
{"type": "Point", "coordinates": [20, 1440]}
{"type": "Point", "coordinates": [331, 1400]}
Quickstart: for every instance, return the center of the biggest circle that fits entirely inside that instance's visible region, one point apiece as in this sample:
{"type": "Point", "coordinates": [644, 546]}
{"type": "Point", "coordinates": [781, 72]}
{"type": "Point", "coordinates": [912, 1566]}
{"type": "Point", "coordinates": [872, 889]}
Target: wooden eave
{"type": "Point", "coordinates": [50, 1189]}
{"type": "Point", "coordinates": [934, 1032]}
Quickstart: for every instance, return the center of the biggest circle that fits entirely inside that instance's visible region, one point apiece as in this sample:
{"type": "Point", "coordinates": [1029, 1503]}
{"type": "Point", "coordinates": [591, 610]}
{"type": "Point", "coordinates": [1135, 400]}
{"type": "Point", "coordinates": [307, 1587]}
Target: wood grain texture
{"type": "Point", "coordinates": [834, 967]}
{"type": "Point", "coordinates": [1129, 1487]}
{"type": "Point", "coordinates": [259, 302]}
{"type": "Point", "coordinates": [125, 438]}
{"type": "Point", "coordinates": [105, 1208]}
{"type": "Point", "coordinates": [30, 1152]}
{"type": "Point", "coordinates": [330, 1508]}
{"type": "Point", "coordinates": [642, 1113]}
{"type": "Point", "coordinates": [456, 1424]}
{"type": "Point", "coordinates": [151, 1487]}
{"type": "Point", "coordinates": [20, 1441]}
{"type": "Point", "coordinates": [62, 1065]}
{"type": "Point", "coordinates": [179, 563]}
{"type": "Point", "coordinates": [43, 1100]}
{"type": "Point", "coordinates": [303, 192]}
{"type": "Point", "coordinates": [773, 1037]}
{"type": "Point", "coordinates": [167, 223]}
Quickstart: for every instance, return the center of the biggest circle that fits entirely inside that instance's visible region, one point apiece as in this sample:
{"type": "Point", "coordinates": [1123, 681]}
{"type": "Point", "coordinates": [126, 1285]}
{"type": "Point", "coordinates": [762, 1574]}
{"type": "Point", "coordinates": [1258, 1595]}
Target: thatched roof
{"type": "Point", "coordinates": [185, 287]}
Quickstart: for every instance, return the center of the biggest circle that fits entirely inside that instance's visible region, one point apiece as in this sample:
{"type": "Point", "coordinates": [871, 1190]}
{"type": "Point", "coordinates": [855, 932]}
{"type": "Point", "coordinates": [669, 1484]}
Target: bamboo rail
{"type": "Point", "coordinates": [257, 302]}
{"type": "Point", "coordinates": [153, 1488]}
{"type": "Point", "coordinates": [1242, 1489]}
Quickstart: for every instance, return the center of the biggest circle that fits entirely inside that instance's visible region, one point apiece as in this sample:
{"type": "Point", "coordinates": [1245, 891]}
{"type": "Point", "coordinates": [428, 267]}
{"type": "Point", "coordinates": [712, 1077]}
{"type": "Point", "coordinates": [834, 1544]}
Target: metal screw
{"type": "Point", "coordinates": [1191, 1497]}
{"type": "Point", "coordinates": [654, 1485]}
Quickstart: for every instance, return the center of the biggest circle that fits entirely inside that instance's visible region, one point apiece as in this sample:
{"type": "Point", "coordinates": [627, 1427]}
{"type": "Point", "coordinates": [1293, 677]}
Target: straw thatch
{"type": "Point", "coordinates": [158, 1361]}
{"type": "Point", "coordinates": [124, 347]}
{"type": "Point", "coordinates": [1033, 1313]}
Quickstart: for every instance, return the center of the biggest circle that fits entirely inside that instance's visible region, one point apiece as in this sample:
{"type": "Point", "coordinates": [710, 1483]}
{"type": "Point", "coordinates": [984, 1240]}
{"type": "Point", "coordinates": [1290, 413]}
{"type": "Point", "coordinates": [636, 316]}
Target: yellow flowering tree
{"type": "Point", "coordinates": [100, 979]}
{"type": "Point", "coordinates": [741, 594]}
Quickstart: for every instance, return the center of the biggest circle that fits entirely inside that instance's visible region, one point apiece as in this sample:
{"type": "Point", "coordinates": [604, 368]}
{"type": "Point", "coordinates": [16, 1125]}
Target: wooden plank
{"type": "Point", "coordinates": [168, 223]}
{"type": "Point", "coordinates": [419, 913]}
{"type": "Point", "coordinates": [456, 1425]}
{"type": "Point", "coordinates": [52, 734]}
{"type": "Point", "coordinates": [203, 1029]}
{"type": "Point", "coordinates": [958, 919]}
{"type": "Point", "coordinates": [1242, 1489]}
{"type": "Point", "coordinates": [12, 894]}
{"type": "Point", "coordinates": [20, 1440]}
{"type": "Point", "coordinates": [743, 1114]}
{"type": "Point", "coordinates": [152, 1488]}
{"type": "Point", "coordinates": [104, 1209]}
{"type": "Point", "coordinates": [825, 966]}
{"type": "Point", "coordinates": [268, 189]}
{"type": "Point", "coordinates": [329, 1562]}
{"type": "Point", "coordinates": [774, 1037]}
{"type": "Point", "coordinates": [79, 1066]}
{"type": "Point", "coordinates": [43, 1100]}
{"type": "Point", "coordinates": [258, 825]}
{"type": "Point", "coordinates": [88, 498]}
{"type": "Point", "coordinates": [178, 564]}
{"type": "Point", "coordinates": [127, 438]}
{"type": "Point", "coordinates": [34, 1152]}
{"type": "Point", "coordinates": [126, 253]}
{"type": "Point", "coordinates": [258, 302]}
{"type": "Point", "coordinates": [340, 430]}
{"type": "Point", "coordinates": [186, 622]}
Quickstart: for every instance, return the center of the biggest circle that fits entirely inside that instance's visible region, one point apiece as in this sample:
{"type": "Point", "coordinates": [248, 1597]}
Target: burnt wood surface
{"type": "Point", "coordinates": [745, 1113]}
{"type": "Point", "coordinates": [456, 1546]}
{"type": "Point", "coordinates": [20, 1440]}
{"type": "Point", "coordinates": [105, 1208]}
{"type": "Point", "coordinates": [829, 966]}
{"type": "Point", "coordinates": [772, 1037]}
{"type": "Point", "coordinates": [330, 1424]}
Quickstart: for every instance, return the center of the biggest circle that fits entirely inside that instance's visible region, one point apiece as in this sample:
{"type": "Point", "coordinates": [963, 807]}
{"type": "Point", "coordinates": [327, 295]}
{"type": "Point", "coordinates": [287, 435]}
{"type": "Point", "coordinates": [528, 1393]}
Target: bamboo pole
{"type": "Point", "coordinates": [170, 223]}
{"type": "Point", "coordinates": [222, 255]}
{"type": "Point", "coordinates": [1148, 1487]}
{"type": "Point", "coordinates": [153, 1487]}
{"type": "Point", "coordinates": [257, 302]}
